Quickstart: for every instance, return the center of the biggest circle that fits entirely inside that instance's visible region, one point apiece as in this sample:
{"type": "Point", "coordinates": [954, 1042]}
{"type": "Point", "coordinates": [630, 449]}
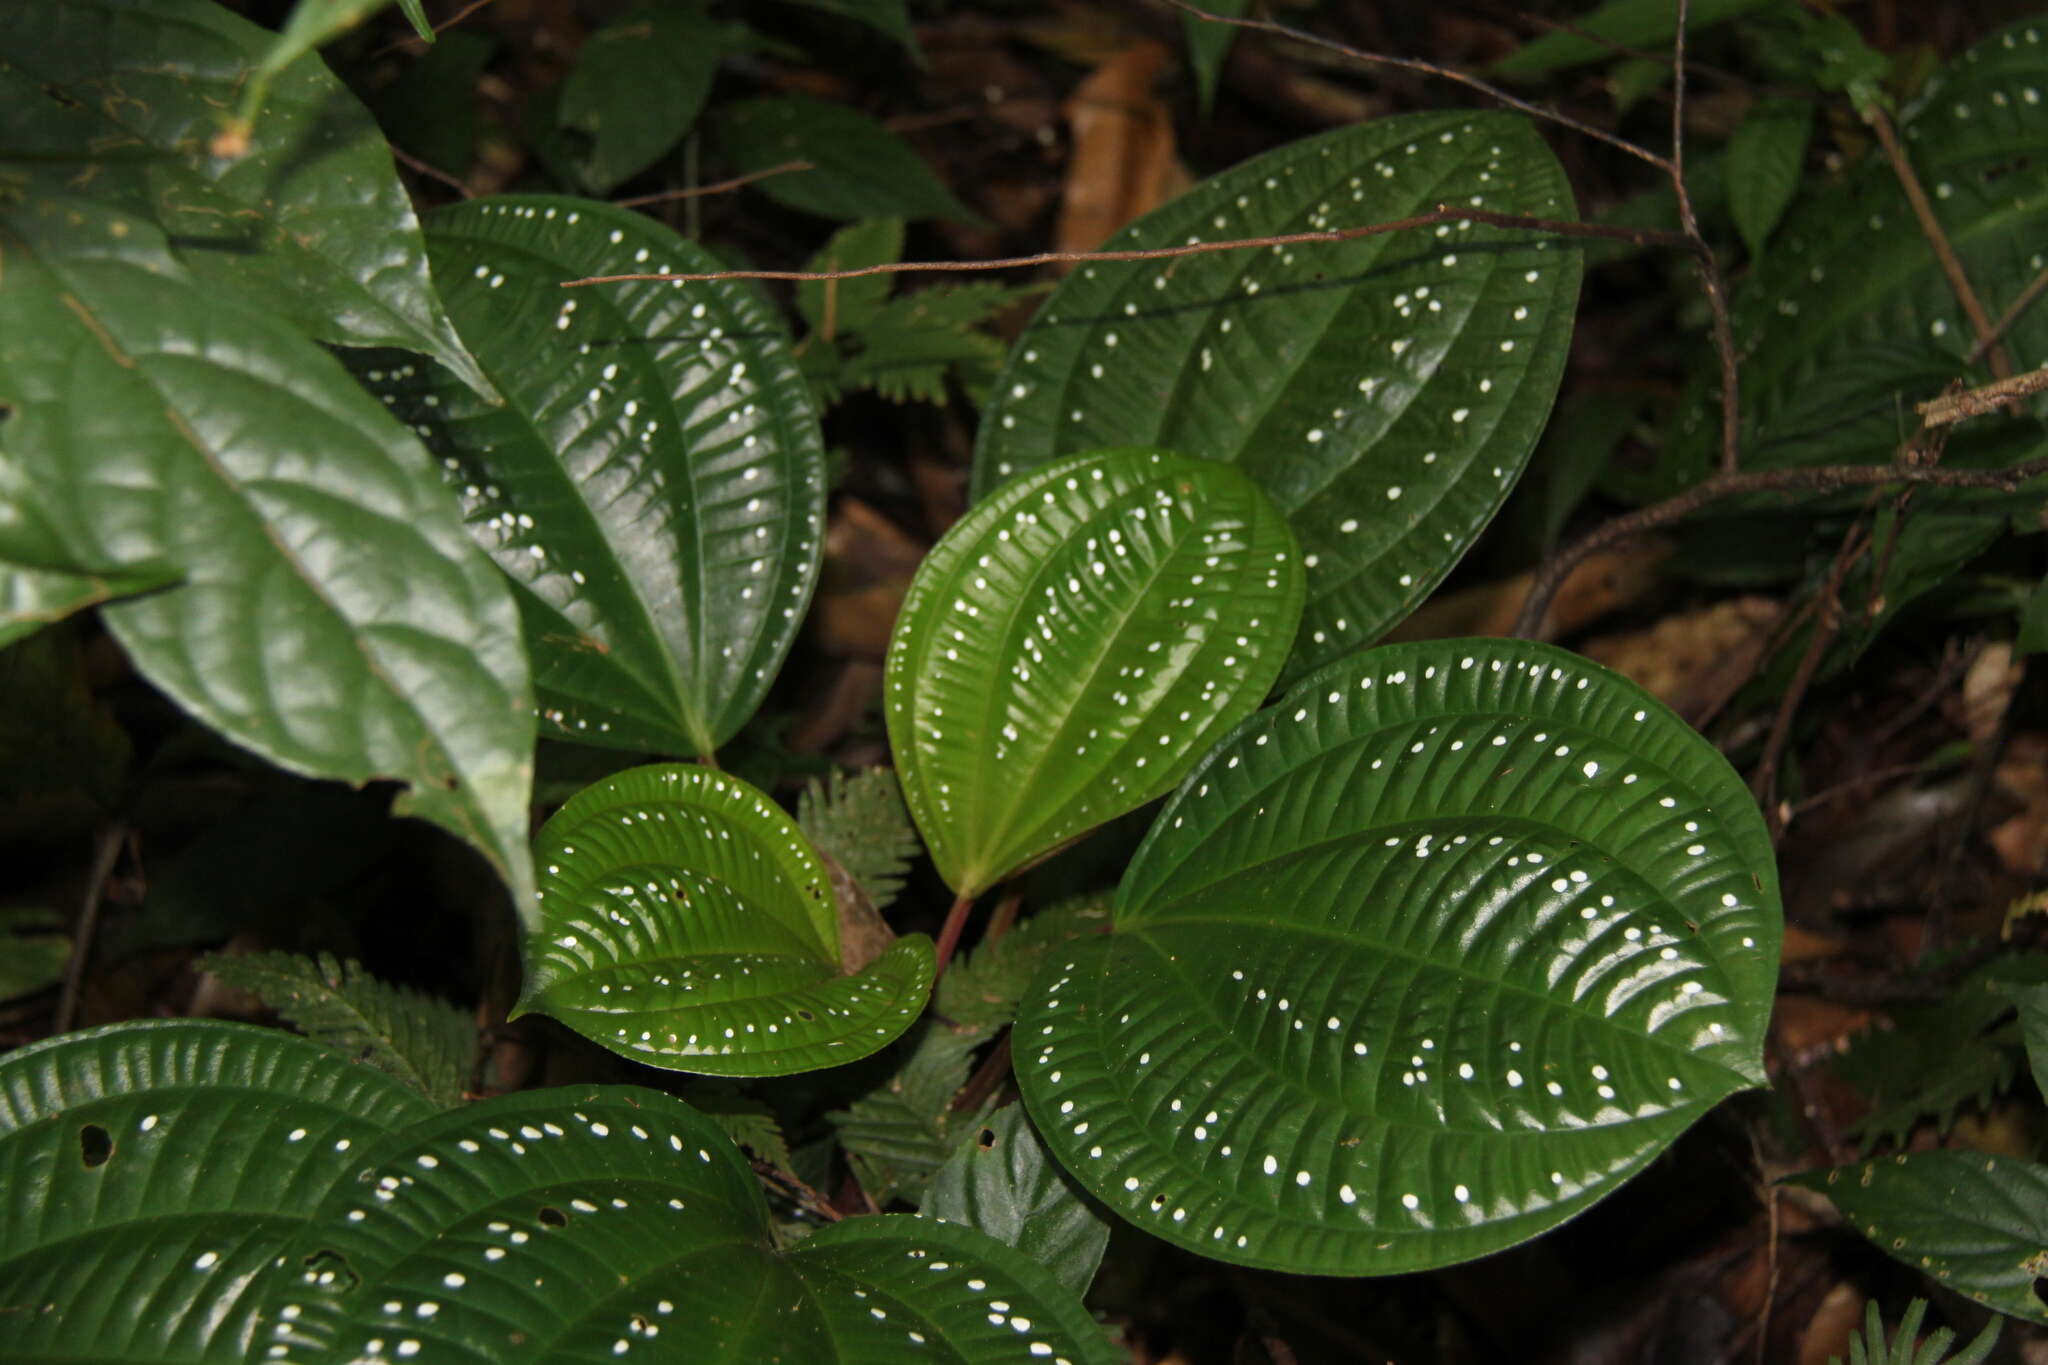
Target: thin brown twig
{"type": "Point", "coordinates": [2020, 305]}
{"type": "Point", "coordinates": [105, 851]}
{"type": "Point", "coordinates": [1955, 407]}
{"type": "Point", "coordinates": [1443, 213]}
{"type": "Point", "coordinates": [413, 38]}
{"type": "Point", "coordinates": [796, 1189]}
{"type": "Point", "coordinates": [1930, 228]}
{"type": "Point", "coordinates": [419, 167]}
{"type": "Point", "coordinates": [1827, 624]}
{"type": "Point", "coordinates": [717, 187]}
{"type": "Point", "coordinates": [1492, 92]}
{"type": "Point", "coordinates": [1703, 256]}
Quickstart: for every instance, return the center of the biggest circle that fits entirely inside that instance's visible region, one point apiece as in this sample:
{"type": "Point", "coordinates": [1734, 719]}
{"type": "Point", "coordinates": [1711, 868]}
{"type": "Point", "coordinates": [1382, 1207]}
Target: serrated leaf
{"type": "Point", "coordinates": [331, 614]}
{"type": "Point", "coordinates": [638, 85]}
{"type": "Point", "coordinates": [746, 1122]}
{"type": "Point", "coordinates": [654, 484]}
{"type": "Point", "coordinates": [1420, 961]}
{"type": "Point", "coordinates": [429, 1044]}
{"type": "Point", "coordinates": [860, 820]}
{"type": "Point", "coordinates": [1071, 645]}
{"type": "Point", "coordinates": [1385, 391]}
{"type": "Point", "coordinates": [1618, 23]}
{"type": "Point", "coordinates": [687, 924]}
{"type": "Point", "coordinates": [859, 169]}
{"type": "Point", "coordinates": [831, 307]}
{"type": "Point", "coordinates": [174, 1159]}
{"type": "Point", "coordinates": [1003, 1182]}
{"type": "Point", "coordinates": [1765, 157]}
{"type": "Point", "coordinates": [1868, 1348]}
{"type": "Point", "coordinates": [310, 225]}
{"type": "Point", "coordinates": [900, 1133]}
{"type": "Point", "coordinates": [1978, 1224]}
{"type": "Point", "coordinates": [982, 987]}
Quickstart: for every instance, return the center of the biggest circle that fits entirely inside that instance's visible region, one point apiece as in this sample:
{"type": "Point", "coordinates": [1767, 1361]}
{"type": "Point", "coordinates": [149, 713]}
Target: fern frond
{"type": "Point", "coordinates": [862, 822]}
{"type": "Point", "coordinates": [1868, 1347]}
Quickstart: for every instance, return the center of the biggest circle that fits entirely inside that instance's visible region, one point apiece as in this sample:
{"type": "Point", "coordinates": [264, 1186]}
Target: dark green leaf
{"type": "Point", "coordinates": [859, 169]}
{"type": "Point", "coordinates": [834, 306]}
{"type": "Point", "coordinates": [687, 924]}
{"type": "Point", "coordinates": [174, 1160]}
{"type": "Point", "coordinates": [1422, 960]}
{"type": "Point", "coordinates": [54, 736]}
{"type": "Point", "coordinates": [890, 17]}
{"type": "Point", "coordinates": [2033, 632]}
{"type": "Point", "coordinates": [1071, 646]}
{"type": "Point", "coordinates": [40, 580]}
{"type": "Point", "coordinates": [1208, 44]}
{"type": "Point", "coordinates": [981, 989]}
{"type": "Point", "coordinates": [747, 1122]}
{"type": "Point", "coordinates": [431, 109]}
{"type": "Point", "coordinates": [1003, 1182]}
{"type": "Point", "coordinates": [1618, 23]}
{"type": "Point", "coordinates": [1765, 158]}
{"type": "Point", "coordinates": [1978, 1224]}
{"type": "Point", "coordinates": [638, 85]}
{"type": "Point", "coordinates": [429, 1044]}
{"type": "Point", "coordinates": [654, 486]}
{"type": "Point", "coordinates": [1869, 1347]}
{"type": "Point", "coordinates": [1385, 391]}
{"type": "Point", "coordinates": [861, 821]}
{"type": "Point", "coordinates": [332, 615]}
{"type": "Point", "coordinates": [33, 952]}
{"type": "Point", "coordinates": [311, 225]}
{"type": "Point", "coordinates": [899, 1134]}
{"type": "Point", "coordinates": [2033, 1004]}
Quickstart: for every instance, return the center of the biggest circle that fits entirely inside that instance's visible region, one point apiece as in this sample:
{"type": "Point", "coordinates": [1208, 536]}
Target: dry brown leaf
{"type": "Point", "coordinates": [1123, 163]}
{"type": "Point", "coordinates": [1987, 688]}
{"type": "Point", "coordinates": [1832, 1324]}
{"type": "Point", "coordinates": [1603, 583]}
{"type": "Point", "coordinates": [1693, 658]}
{"type": "Point", "coordinates": [869, 563]}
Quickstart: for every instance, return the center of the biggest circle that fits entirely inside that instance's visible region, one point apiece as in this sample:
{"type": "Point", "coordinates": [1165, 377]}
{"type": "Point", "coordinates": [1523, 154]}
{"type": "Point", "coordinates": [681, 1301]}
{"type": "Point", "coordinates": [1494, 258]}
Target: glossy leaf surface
{"type": "Point", "coordinates": [1977, 1223]}
{"type": "Point", "coordinates": [154, 1171]}
{"type": "Point", "coordinates": [311, 224]}
{"type": "Point", "coordinates": [1071, 646]}
{"type": "Point", "coordinates": [617, 1223]}
{"type": "Point", "coordinates": [638, 85]}
{"type": "Point", "coordinates": [654, 484]}
{"type": "Point", "coordinates": [1385, 391]}
{"type": "Point", "coordinates": [331, 614]}
{"type": "Point", "coordinates": [688, 924]}
{"type": "Point", "coordinates": [1003, 1182]}
{"type": "Point", "coordinates": [1422, 960]}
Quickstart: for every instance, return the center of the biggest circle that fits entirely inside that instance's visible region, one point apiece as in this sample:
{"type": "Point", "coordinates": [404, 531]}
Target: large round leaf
{"type": "Point", "coordinates": [686, 923]}
{"type": "Point", "coordinates": [612, 1223]}
{"type": "Point", "coordinates": [654, 484]}
{"type": "Point", "coordinates": [1420, 961]}
{"type": "Point", "coordinates": [154, 1171]}
{"type": "Point", "coordinates": [1072, 645]}
{"type": "Point", "coordinates": [1385, 391]}
{"type": "Point", "coordinates": [330, 612]}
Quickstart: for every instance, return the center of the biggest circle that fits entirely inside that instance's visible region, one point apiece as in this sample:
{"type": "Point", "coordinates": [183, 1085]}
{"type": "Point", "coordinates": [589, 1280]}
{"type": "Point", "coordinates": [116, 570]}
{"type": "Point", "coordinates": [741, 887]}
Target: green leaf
{"type": "Point", "coordinates": [2033, 631]}
{"type": "Point", "coordinates": [1765, 158]}
{"type": "Point", "coordinates": [1869, 1346]}
{"type": "Point", "coordinates": [1002, 1181]}
{"type": "Point", "coordinates": [982, 987]}
{"type": "Point", "coordinates": [429, 1044]}
{"type": "Point", "coordinates": [2033, 1005]}
{"type": "Point", "coordinates": [40, 581]}
{"type": "Point", "coordinates": [35, 953]}
{"type": "Point", "coordinates": [654, 484]}
{"type": "Point", "coordinates": [1071, 645]}
{"type": "Point", "coordinates": [174, 1160]}
{"type": "Point", "coordinates": [332, 614]}
{"type": "Point", "coordinates": [1420, 961]}
{"type": "Point", "coordinates": [1621, 23]}
{"type": "Point", "coordinates": [1385, 391]}
{"type": "Point", "coordinates": [431, 108]}
{"type": "Point", "coordinates": [311, 225]}
{"type": "Point", "coordinates": [638, 85]}
{"type": "Point", "coordinates": [746, 1122]}
{"type": "Point", "coordinates": [687, 924]}
{"type": "Point", "coordinates": [834, 306]}
{"type": "Point", "coordinates": [862, 823]}
{"type": "Point", "coordinates": [55, 738]}
{"type": "Point", "coordinates": [624, 1224]}
{"type": "Point", "coordinates": [1978, 1224]}
{"type": "Point", "coordinates": [900, 1133]}
{"type": "Point", "coordinates": [859, 169]}
{"type": "Point", "coordinates": [311, 24]}
{"type": "Point", "coordinates": [888, 17]}
{"type": "Point", "coordinates": [1209, 44]}
{"type": "Point", "coordinates": [415, 12]}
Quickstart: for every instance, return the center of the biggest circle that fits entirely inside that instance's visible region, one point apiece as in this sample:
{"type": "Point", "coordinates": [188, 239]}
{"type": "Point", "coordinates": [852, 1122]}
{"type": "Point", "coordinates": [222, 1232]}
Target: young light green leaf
{"type": "Point", "coordinates": [858, 168]}
{"type": "Point", "coordinates": [1765, 158]}
{"type": "Point", "coordinates": [686, 923]}
{"type": "Point", "coordinates": [654, 484]}
{"type": "Point", "coordinates": [176, 1159]}
{"type": "Point", "coordinates": [861, 821]}
{"type": "Point", "coordinates": [1071, 646]}
{"type": "Point", "coordinates": [638, 85]}
{"type": "Point", "coordinates": [310, 224]}
{"type": "Point", "coordinates": [1422, 960]}
{"type": "Point", "coordinates": [1003, 1182]}
{"type": "Point", "coordinates": [331, 614]}
{"type": "Point", "coordinates": [1385, 391]}
{"type": "Point", "coordinates": [1977, 1223]}
{"type": "Point", "coordinates": [429, 1044]}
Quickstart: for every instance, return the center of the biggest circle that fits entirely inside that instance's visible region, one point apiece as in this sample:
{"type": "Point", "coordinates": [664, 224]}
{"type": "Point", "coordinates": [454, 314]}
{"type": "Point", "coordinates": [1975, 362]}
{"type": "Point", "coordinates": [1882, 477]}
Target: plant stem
{"type": "Point", "coordinates": [949, 935]}
{"type": "Point", "coordinates": [105, 851]}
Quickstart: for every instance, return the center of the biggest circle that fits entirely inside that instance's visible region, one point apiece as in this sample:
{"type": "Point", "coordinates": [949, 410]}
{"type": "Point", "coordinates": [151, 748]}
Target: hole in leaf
{"type": "Point", "coordinates": [2041, 1288]}
{"type": "Point", "coordinates": [552, 1217]}
{"type": "Point", "coordinates": [328, 1261]}
{"type": "Point", "coordinates": [985, 1139]}
{"type": "Point", "coordinates": [806, 1016]}
{"type": "Point", "coordinates": [451, 783]}
{"type": "Point", "coordinates": [95, 1145]}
